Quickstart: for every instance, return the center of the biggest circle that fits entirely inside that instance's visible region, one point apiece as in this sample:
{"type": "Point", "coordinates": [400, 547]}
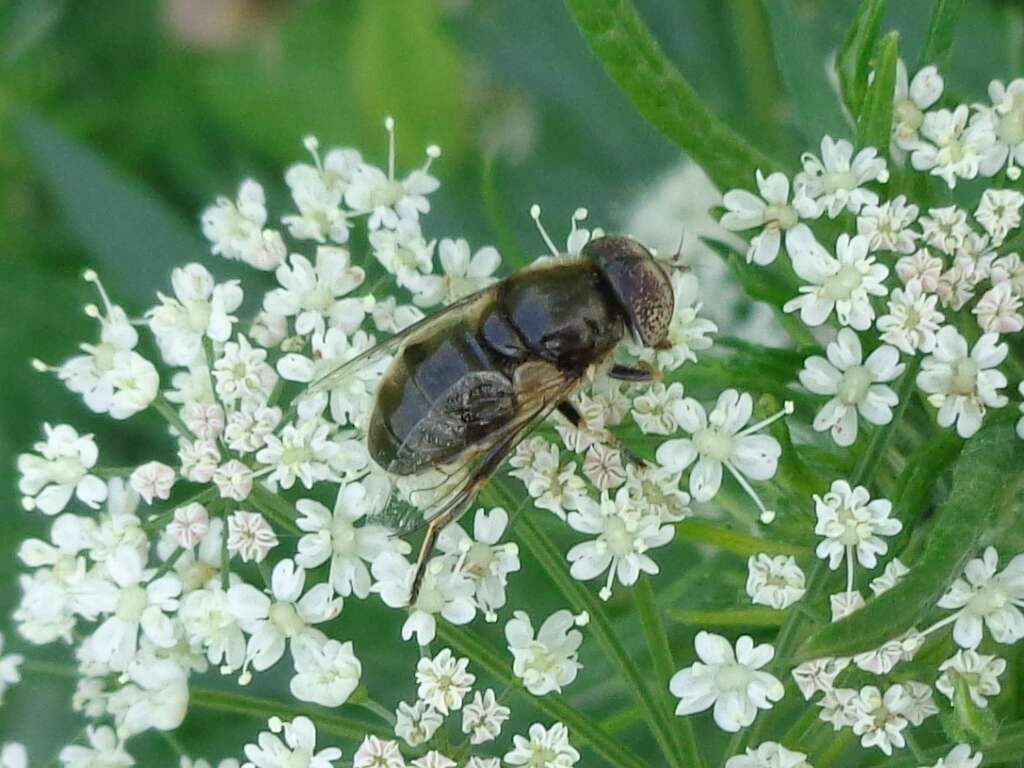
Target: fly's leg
{"type": "Point", "coordinates": [642, 373]}
{"type": "Point", "coordinates": [434, 529]}
{"type": "Point", "coordinates": [569, 411]}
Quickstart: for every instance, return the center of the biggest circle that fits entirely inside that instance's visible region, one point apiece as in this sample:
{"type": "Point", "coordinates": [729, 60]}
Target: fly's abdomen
{"type": "Point", "coordinates": [438, 398]}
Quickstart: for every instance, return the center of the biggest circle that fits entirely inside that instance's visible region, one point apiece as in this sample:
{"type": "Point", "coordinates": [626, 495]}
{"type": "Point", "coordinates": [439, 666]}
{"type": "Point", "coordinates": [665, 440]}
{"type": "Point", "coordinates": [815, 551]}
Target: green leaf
{"type": "Point", "coordinates": [938, 46]}
{"type": "Point", "coordinates": [875, 122]}
{"type": "Point", "coordinates": [135, 238]}
{"type": "Point", "coordinates": [813, 103]}
{"type": "Point", "coordinates": [728, 617]}
{"type": "Point", "coordinates": [978, 722]}
{"type": "Point", "coordinates": [985, 480]}
{"type": "Point", "coordinates": [632, 57]}
{"type": "Point", "coordinates": [854, 59]}
{"type": "Point", "coordinates": [728, 540]}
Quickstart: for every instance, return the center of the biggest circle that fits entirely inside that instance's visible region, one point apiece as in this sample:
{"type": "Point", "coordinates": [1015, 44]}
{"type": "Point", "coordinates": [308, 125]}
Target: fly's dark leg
{"type": "Point", "coordinates": [640, 374]}
{"type": "Point", "coordinates": [575, 418]}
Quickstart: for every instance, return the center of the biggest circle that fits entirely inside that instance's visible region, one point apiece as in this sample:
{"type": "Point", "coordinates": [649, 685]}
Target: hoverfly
{"type": "Point", "coordinates": [468, 383]}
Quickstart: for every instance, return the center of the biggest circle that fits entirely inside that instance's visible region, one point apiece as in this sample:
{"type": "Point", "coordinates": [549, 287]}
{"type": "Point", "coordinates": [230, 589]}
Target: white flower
{"type": "Point", "coordinates": [391, 317]}
{"type": "Point", "coordinates": [959, 757]}
{"type": "Point", "coordinates": [298, 750]}
{"type": "Point", "coordinates": [852, 524]}
{"type": "Point", "coordinates": [443, 681]}
{"type": "Point", "coordinates": [553, 486]}
{"type": "Point", "coordinates": [603, 466]}
{"type": "Point", "coordinates": [326, 671]}
{"type": "Point", "coordinates": [105, 749]}
{"type": "Point", "coordinates": [404, 253]}
{"type": "Point", "coordinates": [769, 754]}
{"type": "Point", "coordinates": [378, 753]}
{"type": "Point", "coordinates": [199, 459]}
{"type": "Point", "coordinates": [980, 673]}
{"type": "Point", "coordinates": [963, 385]}
{"type": "Point", "coordinates": [546, 748]}
{"type": "Point", "coordinates": [317, 191]}
{"type": "Point", "coordinates": [912, 98]}
{"type": "Point", "coordinates": [153, 480]}
{"type": "Point", "coordinates": [732, 682]}
{"type": "Point", "coordinates": [250, 535]}
{"type": "Point", "coordinates": [951, 149]}
{"type": "Point", "coordinates": [156, 697]}
{"type": "Point", "coordinates": [892, 574]}
{"type": "Point", "coordinates": [234, 480]}
{"type": "Point", "coordinates": [845, 603]}
{"type": "Point", "coordinates": [718, 440]}
{"type": "Point", "coordinates": [879, 720]}
{"type": "Point", "coordinates": [310, 292]}
{"type": "Point", "coordinates": [818, 675]}
{"type": "Point", "coordinates": [547, 661]}
{"type": "Point", "coordinates": [483, 762]}
{"type": "Point", "coordinates": [1009, 268]}
{"type": "Point", "coordinates": [242, 373]}
{"type": "Point", "coordinates": [982, 596]}
{"type": "Point", "coordinates": [946, 229]}
{"type": "Point", "coordinates": [999, 212]}
{"type": "Point", "coordinates": [856, 385]}
{"type": "Point", "coordinates": [687, 332]}
{"type": "Point", "coordinates": [249, 426]}
{"type": "Point", "coordinates": [482, 559]}
{"type": "Point", "coordinates": [200, 309]}
{"type": "Point", "coordinates": [336, 537]}
{"type": "Point", "coordinates": [923, 267]}
{"type": "Point", "coordinates": [236, 228]}
{"type": "Point", "coordinates": [9, 674]}
{"type": "Point", "coordinates": [843, 283]}
{"type": "Point", "coordinates": [839, 707]}
{"type": "Point", "coordinates": [483, 717]}
{"type": "Point", "coordinates": [998, 310]}
{"type": "Point", "coordinates": [772, 213]}
{"type": "Point", "coordinates": [388, 200]}
{"type": "Point", "coordinates": [656, 490]}
{"type": "Point", "coordinates": [652, 408]}
{"type": "Point", "coordinates": [286, 615]}
{"type": "Point", "coordinates": [881, 660]}
{"type": "Point", "coordinates": [913, 319]}
{"type": "Point", "coordinates": [441, 592]}
{"type": "Point", "coordinates": [887, 226]}
{"type": "Point", "coordinates": [190, 524]}
{"type": "Point", "coordinates": [462, 276]}
{"type": "Point", "coordinates": [209, 623]}
{"type": "Point", "coordinates": [134, 601]}
{"type": "Point", "coordinates": [776, 581]}
{"type": "Point", "coordinates": [13, 755]}
{"type": "Point", "coordinates": [301, 452]}
{"type": "Point", "coordinates": [416, 724]}
{"type": "Point", "coordinates": [61, 470]}
{"type": "Point", "coordinates": [1006, 120]}
{"type": "Point", "coordinates": [433, 759]}
{"type": "Point", "coordinates": [835, 182]}
{"type": "Point", "coordinates": [624, 534]}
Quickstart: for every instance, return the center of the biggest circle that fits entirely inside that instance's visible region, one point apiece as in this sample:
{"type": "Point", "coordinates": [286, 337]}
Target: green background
{"type": "Point", "coordinates": [117, 127]}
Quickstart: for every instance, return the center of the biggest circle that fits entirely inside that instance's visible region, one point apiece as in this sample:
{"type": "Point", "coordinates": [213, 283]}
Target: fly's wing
{"type": "Point", "coordinates": [450, 489]}
{"type": "Point", "coordinates": [418, 330]}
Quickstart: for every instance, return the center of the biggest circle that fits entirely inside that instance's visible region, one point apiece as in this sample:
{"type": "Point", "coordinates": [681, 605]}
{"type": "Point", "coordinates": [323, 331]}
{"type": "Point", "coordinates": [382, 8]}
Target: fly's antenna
{"type": "Point", "coordinates": [535, 215]}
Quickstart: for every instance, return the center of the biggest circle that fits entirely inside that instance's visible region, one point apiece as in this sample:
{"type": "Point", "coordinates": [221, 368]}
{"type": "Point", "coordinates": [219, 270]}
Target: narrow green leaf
{"type": "Point", "coordinates": [815, 109]}
{"type": "Point", "coordinates": [623, 43]}
{"type": "Point", "coordinates": [728, 617]}
{"type": "Point", "coordinates": [854, 59]}
{"type": "Point", "coordinates": [134, 237]}
{"type": "Point", "coordinates": [729, 540]}
{"type": "Point", "coordinates": [979, 722]}
{"type": "Point", "coordinates": [986, 478]}
{"type": "Point", "coordinates": [875, 123]}
{"type": "Point", "coordinates": [465, 643]}
{"type": "Point", "coordinates": [938, 46]}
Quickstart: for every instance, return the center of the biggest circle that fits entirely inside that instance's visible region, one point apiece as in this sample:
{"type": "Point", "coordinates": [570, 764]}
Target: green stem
{"type": "Point", "coordinates": [664, 667]}
{"type": "Point", "coordinates": [466, 643]}
{"type": "Point", "coordinates": [379, 710]}
{"type": "Point", "coordinates": [235, 703]}
{"type": "Point", "coordinates": [729, 617]}
{"type": "Point", "coordinates": [276, 508]}
{"type": "Point", "coordinates": [164, 407]}
{"type": "Point", "coordinates": [550, 559]}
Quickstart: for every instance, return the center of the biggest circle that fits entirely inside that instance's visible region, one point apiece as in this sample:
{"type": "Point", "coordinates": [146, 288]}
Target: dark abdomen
{"type": "Point", "coordinates": [438, 397]}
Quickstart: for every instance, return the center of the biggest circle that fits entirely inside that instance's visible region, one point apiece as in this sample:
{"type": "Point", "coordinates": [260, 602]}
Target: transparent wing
{"type": "Point", "coordinates": [428, 325]}
{"type": "Point", "coordinates": [450, 489]}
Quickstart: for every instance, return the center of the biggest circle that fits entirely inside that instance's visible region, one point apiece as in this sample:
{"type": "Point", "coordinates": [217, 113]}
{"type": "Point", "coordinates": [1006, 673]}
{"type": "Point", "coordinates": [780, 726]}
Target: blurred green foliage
{"type": "Point", "coordinates": [120, 121]}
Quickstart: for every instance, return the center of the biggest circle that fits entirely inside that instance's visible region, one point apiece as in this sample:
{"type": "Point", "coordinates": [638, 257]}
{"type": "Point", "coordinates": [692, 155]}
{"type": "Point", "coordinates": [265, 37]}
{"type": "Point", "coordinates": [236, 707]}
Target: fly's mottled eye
{"type": "Point", "coordinates": [639, 284]}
